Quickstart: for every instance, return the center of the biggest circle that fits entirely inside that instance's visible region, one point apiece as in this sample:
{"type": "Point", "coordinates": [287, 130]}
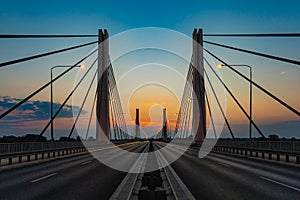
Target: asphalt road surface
{"type": "Point", "coordinates": [77, 177]}
{"type": "Point", "coordinates": [220, 176]}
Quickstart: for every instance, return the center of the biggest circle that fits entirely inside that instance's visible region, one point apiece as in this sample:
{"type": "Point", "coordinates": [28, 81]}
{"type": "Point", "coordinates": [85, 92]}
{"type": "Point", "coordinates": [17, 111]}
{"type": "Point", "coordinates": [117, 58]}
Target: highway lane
{"type": "Point", "coordinates": [77, 177]}
{"type": "Point", "coordinates": [220, 176]}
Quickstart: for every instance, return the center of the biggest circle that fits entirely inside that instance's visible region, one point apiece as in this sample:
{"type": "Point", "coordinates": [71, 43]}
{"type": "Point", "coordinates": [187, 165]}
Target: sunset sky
{"type": "Point", "coordinates": [86, 17]}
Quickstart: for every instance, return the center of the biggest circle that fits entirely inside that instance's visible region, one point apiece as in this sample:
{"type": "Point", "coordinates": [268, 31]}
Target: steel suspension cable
{"type": "Point", "coordinates": [235, 99]}
{"type": "Point", "coordinates": [185, 102]}
{"type": "Point", "coordinates": [113, 120]}
{"type": "Point", "coordinates": [254, 35]}
{"type": "Point", "coordinates": [113, 108]}
{"type": "Point", "coordinates": [220, 107]}
{"type": "Point", "coordinates": [256, 85]}
{"type": "Point", "coordinates": [91, 115]}
{"type": "Point", "coordinates": [189, 118]}
{"type": "Point", "coordinates": [120, 113]}
{"type": "Point", "coordinates": [182, 109]}
{"type": "Point", "coordinates": [188, 108]}
{"type": "Point", "coordinates": [44, 86]}
{"type": "Point", "coordinates": [286, 60]}
{"type": "Point", "coordinates": [210, 114]}
{"type": "Point", "coordinates": [82, 105]}
{"type": "Point", "coordinates": [182, 105]}
{"type": "Point", "coordinates": [44, 54]}
{"type": "Point", "coordinates": [68, 97]}
{"type": "Point", "coordinates": [34, 36]}
{"type": "Point", "coordinates": [59, 109]}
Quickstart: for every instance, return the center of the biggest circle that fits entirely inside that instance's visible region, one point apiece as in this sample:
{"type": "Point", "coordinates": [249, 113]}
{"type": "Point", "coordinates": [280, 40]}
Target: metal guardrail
{"type": "Point", "coordinates": [10, 148]}
{"type": "Point", "coordinates": [290, 146]}
{"type": "Point", "coordinates": [288, 151]}
{"type": "Point", "coordinates": [12, 153]}
{"type": "Point", "coordinates": [280, 145]}
{"type": "Point", "coordinates": [40, 154]}
{"type": "Point", "coordinates": [262, 153]}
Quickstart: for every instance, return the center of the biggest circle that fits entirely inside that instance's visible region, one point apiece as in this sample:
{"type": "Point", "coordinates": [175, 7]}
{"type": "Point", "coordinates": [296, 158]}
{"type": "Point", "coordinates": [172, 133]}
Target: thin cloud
{"type": "Point", "coordinates": [35, 110]}
{"type": "Point", "coordinates": [283, 73]}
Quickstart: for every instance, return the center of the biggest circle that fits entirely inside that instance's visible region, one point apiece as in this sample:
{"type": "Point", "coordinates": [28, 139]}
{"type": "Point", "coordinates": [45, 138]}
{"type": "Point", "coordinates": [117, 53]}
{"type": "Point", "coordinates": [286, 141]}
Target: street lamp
{"type": "Point", "coordinates": [250, 95]}
{"type": "Point", "coordinates": [51, 91]}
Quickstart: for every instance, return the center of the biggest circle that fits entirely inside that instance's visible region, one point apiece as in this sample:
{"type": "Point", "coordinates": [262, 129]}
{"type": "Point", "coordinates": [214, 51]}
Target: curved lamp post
{"type": "Point", "coordinates": [250, 95]}
{"type": "Point", "coordinates": [51, 93]}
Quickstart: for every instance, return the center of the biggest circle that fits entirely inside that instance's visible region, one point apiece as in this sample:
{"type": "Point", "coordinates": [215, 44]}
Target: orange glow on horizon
{"type": "Point", "coordinates": [151, 100]}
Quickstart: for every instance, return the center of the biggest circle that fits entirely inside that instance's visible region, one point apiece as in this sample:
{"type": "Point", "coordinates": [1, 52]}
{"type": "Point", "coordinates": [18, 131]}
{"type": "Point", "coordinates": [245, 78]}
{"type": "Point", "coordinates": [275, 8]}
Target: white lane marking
{"type": "Point", "coordinates": [114, 146]}
{"type": "Point", "coordinates": [289, 186]}
{"type": "Point", "coordinates": [224, 164]}
{"type": "Point", "coordinates": [42, 178]}
{"type": "Point", "coordinates": [86, 162]}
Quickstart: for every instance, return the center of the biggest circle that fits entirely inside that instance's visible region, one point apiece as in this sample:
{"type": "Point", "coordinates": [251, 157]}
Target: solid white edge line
{"type": "Point", "coordinates": [42, 178]}
{"type": "Point", "coordinates": [273, 181]}
{"type": "Point", "coordinates": [86, 162]}
{"type": "Point", "coordinates": [177, 178]}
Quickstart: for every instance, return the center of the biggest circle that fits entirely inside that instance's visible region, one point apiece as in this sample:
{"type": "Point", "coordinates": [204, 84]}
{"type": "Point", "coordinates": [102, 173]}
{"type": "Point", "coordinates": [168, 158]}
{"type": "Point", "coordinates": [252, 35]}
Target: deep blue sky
{"type": "Point", "coordinates": [86, 16]}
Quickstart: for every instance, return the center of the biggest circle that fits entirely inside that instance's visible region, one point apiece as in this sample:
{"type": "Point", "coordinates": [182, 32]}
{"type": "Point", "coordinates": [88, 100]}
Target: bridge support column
{"type": "Point", "coordinates": [164, 129]}
{"type": "Point", "coordinates": [199, 109]}
{"type": "Point", "coordinates": [102, 107]}
{"type": "Point", "coordinates": [137, 124]}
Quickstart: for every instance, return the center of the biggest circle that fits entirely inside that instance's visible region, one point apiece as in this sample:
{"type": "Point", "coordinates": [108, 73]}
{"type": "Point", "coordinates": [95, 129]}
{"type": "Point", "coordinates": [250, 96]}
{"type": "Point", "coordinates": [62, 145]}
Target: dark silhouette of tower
{"type": "Point", "coordinates": [102, 107]}
{"type": "Point", "coordinates": [198, 123]}
{"type": "Point", "coordinates": [137, 124]}
{"type": "Point", "coordinates": [164, 129]}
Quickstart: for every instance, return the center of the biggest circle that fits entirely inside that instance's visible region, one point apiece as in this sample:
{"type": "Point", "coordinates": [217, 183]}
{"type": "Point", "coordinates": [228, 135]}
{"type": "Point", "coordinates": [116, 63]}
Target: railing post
{"type": "Point", "coordinates": [293, 146]}
{"type": "Point", "coordinates": [280, 145]}
{"type": "Point", "coordinates": [287, 159]}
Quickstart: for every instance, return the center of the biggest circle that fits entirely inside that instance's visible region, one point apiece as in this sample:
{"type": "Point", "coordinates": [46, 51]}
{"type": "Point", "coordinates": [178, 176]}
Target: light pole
{"type": "Point", "coordinates": [250, 95]}
{"type": "Point", "coordinates": [51, 93]}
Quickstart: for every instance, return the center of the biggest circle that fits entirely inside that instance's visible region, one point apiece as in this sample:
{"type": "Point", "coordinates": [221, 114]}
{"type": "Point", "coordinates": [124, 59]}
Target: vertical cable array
{"type": "Point", "coordinates": [117, 114]}
{"type": "Point", "coordinates": [182, 122]}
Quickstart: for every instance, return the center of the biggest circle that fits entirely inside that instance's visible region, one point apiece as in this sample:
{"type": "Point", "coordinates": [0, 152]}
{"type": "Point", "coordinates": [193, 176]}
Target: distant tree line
{"type": "Point", "coordinates": [32, 138]}
{"type": "Point", "coordinates": [37, 138]}
{"type": "Point", "coordinates": [271, 137]}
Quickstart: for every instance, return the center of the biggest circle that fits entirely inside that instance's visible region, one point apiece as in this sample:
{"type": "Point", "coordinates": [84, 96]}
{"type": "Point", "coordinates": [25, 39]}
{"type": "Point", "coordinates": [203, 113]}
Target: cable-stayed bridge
{"type": "Point", "coordinates": [188, 162]}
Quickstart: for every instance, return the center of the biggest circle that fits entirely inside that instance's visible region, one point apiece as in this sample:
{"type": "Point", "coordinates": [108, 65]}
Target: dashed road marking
{"type": "Point", "coordinates": [43, 177]}
{"type": "Point", "coordinates": [86, 162]}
